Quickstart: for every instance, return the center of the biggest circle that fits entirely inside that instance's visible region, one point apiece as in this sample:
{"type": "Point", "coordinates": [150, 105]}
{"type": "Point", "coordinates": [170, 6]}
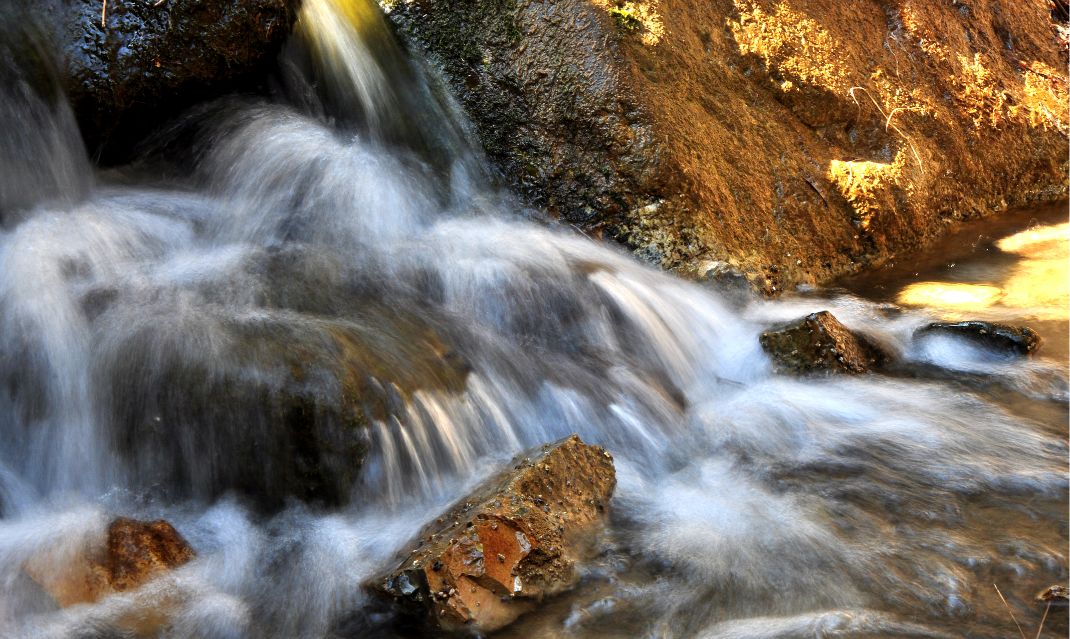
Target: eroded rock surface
{"type": "Point", "coordinates": [820, 344]}
{"type": "Point", "coordinates": [130, 555]}
{"type": "Point", "coordinates": [1017, 340]}
{"type": "Point", "coordinates": [513, 541]}
{"type": "Point", "coordinates": [793, 141]}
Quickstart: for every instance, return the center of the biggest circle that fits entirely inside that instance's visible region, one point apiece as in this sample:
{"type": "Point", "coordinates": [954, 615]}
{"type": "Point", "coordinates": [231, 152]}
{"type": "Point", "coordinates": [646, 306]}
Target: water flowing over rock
{"type": "Point", "coordinates": [306, 321]}
{"type": "Point", "coordinates": [512, 542]}
{"type": "Point", "coordinates": [819, 343]}
{"type": "Point", "coordinates": [795, 141]}
{"type": "Point", "coordinates": [1016, 340]}
{"type": "Point", "coordinates": [130, 554]}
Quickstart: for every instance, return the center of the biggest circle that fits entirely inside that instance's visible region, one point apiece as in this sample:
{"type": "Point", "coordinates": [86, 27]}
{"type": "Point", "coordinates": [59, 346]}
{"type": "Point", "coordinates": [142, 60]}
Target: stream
{"type": "Point", "coordinates": [215, 336]}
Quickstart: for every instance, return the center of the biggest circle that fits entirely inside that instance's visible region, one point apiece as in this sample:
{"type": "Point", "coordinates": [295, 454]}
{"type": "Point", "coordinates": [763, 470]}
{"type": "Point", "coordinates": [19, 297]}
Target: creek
{"type": "Point", "coordinates": [215, 339]}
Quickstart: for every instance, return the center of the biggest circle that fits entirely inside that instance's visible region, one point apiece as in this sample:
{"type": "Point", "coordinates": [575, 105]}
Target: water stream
{"type": "Point", "coordinates": [330, 274]}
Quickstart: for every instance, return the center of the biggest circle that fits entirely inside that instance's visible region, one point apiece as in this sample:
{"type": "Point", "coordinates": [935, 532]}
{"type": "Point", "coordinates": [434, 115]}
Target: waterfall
{"type": "Point", "coordinates": [336, 322]}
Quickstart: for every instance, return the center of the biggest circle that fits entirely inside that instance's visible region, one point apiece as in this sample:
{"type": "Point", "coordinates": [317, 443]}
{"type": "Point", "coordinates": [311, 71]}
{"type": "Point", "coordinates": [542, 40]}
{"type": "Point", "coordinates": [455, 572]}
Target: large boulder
{"type": "Point", "coordinates": [794, 141]}
{"type": "Point", "coordinates": [131, 66]}
{"type": "Point", "coordinates": [820, 344]}
{"type": "Point", "coordinates": [515, 540]}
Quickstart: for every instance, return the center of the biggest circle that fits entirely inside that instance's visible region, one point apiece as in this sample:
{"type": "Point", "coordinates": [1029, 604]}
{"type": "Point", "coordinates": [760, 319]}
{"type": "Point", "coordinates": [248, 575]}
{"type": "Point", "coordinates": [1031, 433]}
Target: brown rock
{"type": "Point", "coordinates": [513, 541]}
{"type": "Point", "coordinates": [819, 343]}
{"type": "Point", "coordinates": [818, 137]}
{"type": "Point", "coordinates": [131, 554]}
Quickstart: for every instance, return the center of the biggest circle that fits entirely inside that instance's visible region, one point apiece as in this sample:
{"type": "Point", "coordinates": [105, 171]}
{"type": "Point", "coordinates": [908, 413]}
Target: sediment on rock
{"type": "Point", "coordinates": [820, 344]}
{"type": "Point", "coordinates": [512, 542]}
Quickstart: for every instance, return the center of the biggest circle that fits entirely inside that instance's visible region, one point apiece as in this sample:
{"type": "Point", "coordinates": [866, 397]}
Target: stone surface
{"type": "Point", "coordinates": [148, 61]}
{"type": "Point", "coordinates": [1018, 340]}
{"type": "Point", "coordinates": [819, 343]}
{"type": "Point", "coordinates": [130, 555]}
{"type": "Point", "coordinates": [795, 142]}
{"type": "Point", "coordinates": [515, 540]}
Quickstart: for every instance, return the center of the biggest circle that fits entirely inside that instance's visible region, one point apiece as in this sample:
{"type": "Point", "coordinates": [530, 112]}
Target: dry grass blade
{"type": "Point", "coordinates": [1042, 620]}
{"type": "Point", "coordinates": [1011, 612]}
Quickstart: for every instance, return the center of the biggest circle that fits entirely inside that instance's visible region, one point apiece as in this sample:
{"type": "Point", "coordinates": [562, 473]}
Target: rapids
{"type": "Point", "coordinates": [347, 223]}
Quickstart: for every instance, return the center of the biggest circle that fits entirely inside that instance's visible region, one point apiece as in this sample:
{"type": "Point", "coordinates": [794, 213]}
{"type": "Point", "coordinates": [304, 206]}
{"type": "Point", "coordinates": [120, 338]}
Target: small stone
{"type": "Point", "coordinates": [1012, 340]}
{"type": "Point", "coordinates": [820, 344]}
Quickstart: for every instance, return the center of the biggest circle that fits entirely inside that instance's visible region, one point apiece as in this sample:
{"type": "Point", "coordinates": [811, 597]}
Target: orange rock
{"type": "Point", "coordinates": [131, 554]}
{"type": "Point", "coordinates": [515, 540]}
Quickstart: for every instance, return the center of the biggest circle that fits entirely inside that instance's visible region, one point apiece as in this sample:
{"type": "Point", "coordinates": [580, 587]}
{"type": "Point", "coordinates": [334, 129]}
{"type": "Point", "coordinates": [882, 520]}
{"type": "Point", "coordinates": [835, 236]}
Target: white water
{"type": "Point", "coordinates": [749, 504]}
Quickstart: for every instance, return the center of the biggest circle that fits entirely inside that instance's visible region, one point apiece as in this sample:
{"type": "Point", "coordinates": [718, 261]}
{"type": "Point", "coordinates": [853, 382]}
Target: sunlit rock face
{"type": "Point", "coordinates": [794, 141]}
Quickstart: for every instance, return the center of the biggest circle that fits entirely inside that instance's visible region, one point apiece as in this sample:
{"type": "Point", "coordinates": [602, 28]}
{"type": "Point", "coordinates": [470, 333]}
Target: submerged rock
{"type": "Point", "coordinates": [131, 554]}
{"type": "Point", "coordinates": [515, 540]}
{"type": "Point", "coordinates": [819, 343]}
{"type": "Point", "coordinates": [1017, 340]}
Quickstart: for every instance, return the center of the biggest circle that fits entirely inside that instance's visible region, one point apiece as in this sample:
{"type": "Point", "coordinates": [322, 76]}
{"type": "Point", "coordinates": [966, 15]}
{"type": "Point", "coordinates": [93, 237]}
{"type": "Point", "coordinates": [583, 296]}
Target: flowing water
{"type": "Point", "coordinates": [329, 273]}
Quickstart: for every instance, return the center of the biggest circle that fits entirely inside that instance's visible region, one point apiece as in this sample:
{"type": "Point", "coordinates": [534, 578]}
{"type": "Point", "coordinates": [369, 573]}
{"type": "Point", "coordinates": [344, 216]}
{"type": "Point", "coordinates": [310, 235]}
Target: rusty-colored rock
{"type": "Point", "coordinates": [131, 554]}
{"type": "Point", "coordinates": [513, 541]}
{"type": "Point", "coordinates": [819, 343]}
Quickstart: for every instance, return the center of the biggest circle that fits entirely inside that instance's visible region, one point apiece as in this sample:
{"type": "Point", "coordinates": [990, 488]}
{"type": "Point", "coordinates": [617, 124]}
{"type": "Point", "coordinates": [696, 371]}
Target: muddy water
{"type": "Point", "coordinates": [339, 265]}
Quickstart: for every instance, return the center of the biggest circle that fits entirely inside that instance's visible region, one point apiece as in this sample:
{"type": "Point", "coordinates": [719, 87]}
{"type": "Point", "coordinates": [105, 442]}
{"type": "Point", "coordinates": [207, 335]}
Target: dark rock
{"type": "Point", "coordinates": [1018, 340]}
{"type": "Point", "coordinates": [515, 540]}
{"type": "Point", "coordinates": [151, 60]}
{"type": "Point", "coordinates": [819, 343]}
{"type": "Point", "coordinates": [131, 554]}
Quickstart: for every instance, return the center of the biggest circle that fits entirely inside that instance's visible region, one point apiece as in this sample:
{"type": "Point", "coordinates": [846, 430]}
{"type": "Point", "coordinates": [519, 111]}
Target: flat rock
{"type": "Point", "coordinates": [1018, 340]}
{"type": "Point", "coordinates": [130, 555]}
{"type": "Point", "coordinates": [819, 343]}
{"type": "Point", "coordinates": [513, 541]}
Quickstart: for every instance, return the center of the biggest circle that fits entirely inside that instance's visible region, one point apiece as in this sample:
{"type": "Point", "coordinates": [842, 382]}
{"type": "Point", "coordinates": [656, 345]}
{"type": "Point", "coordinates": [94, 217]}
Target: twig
{"type": "Point", "coordinates": [1043, 619]}
{"type": "Point", "coordinates": [1020, 631]}
{"type": "Point", "coordinates": [888, 122]}
{"type": "Point", "coordinates": [103, 13]}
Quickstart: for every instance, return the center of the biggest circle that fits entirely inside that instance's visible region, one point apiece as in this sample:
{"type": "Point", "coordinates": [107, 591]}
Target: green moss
{"type": "Point", "coordinates": [627, 18]}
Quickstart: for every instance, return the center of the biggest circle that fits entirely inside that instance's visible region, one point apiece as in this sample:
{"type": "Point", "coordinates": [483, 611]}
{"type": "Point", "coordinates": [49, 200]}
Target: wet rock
{"type": "Point", "coordinates": [131, 554]}
{"type": "Point", "coordinates": [725, 280]}
{"type": "Point", "coordinates": [819, 343]}
{"type": "Point", "coordinates": [515, 540]}
{"type": "Point", "coordinates": [1057, 595]}
{"type": "Point", "coordinates": [758, 132]}
{"type": "Point", "coordinates": [150, 60]}
{"type": "Point", "coordinates": [1017, 340]}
